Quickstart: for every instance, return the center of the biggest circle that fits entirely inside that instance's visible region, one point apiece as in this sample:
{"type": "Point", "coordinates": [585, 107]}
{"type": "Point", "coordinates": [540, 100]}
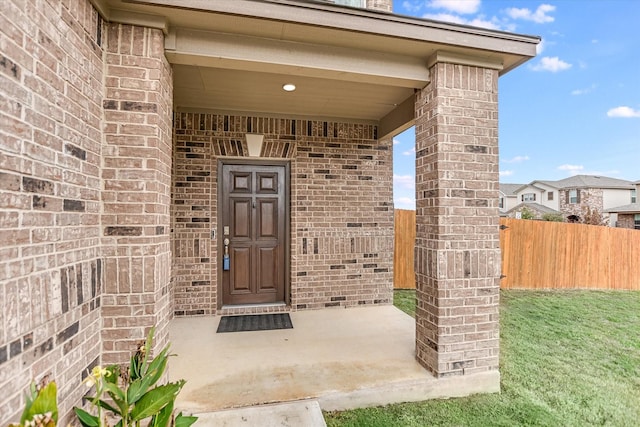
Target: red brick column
{"type": "Point", "coordinates": [137, 181]}
{"type": "Point", "coordinates": [457, 243]}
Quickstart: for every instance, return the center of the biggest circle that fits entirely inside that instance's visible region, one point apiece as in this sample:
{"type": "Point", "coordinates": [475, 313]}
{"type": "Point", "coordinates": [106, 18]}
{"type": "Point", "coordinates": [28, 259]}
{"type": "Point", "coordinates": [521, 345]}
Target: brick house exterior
{"type": "Point", "coordinates": [337, 241]}
{"type": "Point", "coordinates": [573, 197]}
{"type": "Point", "coordinates": [110, 157]}
{"type": "Point", "coordinates": [587, 199]}
{"type": "Point", "coordinates": [628, 215]}
{"type": "Point", "coordinates": [628, 220]}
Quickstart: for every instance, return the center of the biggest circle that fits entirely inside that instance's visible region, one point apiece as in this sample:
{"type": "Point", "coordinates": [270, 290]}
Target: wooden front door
{"type": "Point", "coordinates": [253, 216]}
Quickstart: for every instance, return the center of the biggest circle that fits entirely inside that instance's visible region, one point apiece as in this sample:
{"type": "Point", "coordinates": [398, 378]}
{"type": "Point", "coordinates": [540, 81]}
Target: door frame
{"type": "Point", "coordinates": [287, 221]}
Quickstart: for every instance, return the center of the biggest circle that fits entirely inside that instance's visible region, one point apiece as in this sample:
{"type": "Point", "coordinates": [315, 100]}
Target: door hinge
{"type": "Point", "coordinates": [503, 227]}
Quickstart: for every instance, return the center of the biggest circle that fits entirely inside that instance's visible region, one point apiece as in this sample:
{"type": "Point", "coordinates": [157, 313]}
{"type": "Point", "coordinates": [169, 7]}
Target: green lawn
{"type": "Point", "coordinates": [568, 358]}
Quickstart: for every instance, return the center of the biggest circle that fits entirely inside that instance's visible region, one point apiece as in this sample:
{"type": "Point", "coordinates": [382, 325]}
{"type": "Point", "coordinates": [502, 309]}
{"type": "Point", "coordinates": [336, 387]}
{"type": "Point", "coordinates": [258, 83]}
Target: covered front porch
{"type": "Point", "coordinates": [361, 77]}
{"type": "Point", "coordinates": [343, 358]}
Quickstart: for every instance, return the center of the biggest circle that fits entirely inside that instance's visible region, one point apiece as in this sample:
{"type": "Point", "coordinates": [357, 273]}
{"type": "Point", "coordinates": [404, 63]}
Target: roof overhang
{"type": "Point", "coordinates": [354, 64]}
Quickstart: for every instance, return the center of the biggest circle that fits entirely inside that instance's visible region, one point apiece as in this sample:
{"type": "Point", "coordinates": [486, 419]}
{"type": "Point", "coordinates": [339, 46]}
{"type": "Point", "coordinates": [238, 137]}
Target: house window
{"type": "Point", "coordinates": [634, 196]}
{"type": "Point", "coordinates": [550, 195]}
{"type": "Point", "coordinates": [529, 197]}
{"type": "Point", "coordinates": [636, 221]}
{"type": "Point", "coordinates": [574, 196]}
{"type": "Point", "coordinates": [501, 203]}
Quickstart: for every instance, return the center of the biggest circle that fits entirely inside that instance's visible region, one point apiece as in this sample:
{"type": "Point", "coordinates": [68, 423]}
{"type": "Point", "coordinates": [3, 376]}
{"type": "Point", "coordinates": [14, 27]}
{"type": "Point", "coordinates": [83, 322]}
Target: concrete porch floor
{"type": "Point", "coordinates": [342, 358]}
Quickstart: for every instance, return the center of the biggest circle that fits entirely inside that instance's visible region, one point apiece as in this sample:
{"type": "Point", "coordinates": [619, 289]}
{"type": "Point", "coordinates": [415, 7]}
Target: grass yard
{"type": "Point", "coordinates": [568, 358]}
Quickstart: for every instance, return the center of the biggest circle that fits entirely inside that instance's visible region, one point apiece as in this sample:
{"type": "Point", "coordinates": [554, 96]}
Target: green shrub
{"type": "Point", "coordinates": [553, 217]}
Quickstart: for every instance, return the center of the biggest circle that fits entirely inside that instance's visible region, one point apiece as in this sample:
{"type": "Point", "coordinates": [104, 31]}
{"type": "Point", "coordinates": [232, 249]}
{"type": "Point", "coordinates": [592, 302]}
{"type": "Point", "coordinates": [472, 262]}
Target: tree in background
{"type": "Point", "coordinates": [592, 217]}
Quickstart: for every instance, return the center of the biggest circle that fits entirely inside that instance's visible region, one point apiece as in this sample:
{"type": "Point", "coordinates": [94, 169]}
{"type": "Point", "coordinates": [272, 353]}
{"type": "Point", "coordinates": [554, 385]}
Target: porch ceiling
{"type": "Point", "coordinates": [221, 89]}
{"type": "Point", "coordinates": [235, 55]}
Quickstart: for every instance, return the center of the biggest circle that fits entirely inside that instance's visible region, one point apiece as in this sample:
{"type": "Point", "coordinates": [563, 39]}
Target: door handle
{"type": "Point", "coordinates": [225, 258]}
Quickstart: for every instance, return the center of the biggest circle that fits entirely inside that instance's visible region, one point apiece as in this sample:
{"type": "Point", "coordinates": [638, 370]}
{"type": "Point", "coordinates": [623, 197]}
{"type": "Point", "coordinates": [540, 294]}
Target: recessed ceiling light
{"type": "Point", "coordinates": [289, 87]}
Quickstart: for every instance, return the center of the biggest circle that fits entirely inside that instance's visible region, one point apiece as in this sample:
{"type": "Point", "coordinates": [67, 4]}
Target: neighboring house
{"type": "Point", "coordinates": [144, 140]}
{"type": "Point", "coordinates": [627, 216]}
{"type": "Point", "coordinates": [508, 197]}
{"type": "Point", "coordinates": [573, 197]}
{"type": "Point", "coordinates": [539, 211]}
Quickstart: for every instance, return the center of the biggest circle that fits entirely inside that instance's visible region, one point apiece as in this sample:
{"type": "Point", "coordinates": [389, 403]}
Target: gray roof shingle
{"type": "Point", "coordinates": [592, 181]}
{"type": "Point", "coordinates": [630, 208]}
{"type": "Point", "coordinates": [509, 189]}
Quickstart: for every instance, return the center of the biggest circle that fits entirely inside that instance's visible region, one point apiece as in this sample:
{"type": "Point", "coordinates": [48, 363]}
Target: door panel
{"type": "Point", "coordinates": [241, 214]}
{"type": "Point", "coordinates": [253, 206]}
{"type": "Point", "coordinates": [240, 269]}
{"type": "Point", "coordinates": [267, 219]}
{"type": "Point", "coordinates": [267, 269]}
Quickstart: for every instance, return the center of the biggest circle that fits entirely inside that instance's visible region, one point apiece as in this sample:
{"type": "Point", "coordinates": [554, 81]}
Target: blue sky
{"type": "Point", "coordinates": [573, 109]}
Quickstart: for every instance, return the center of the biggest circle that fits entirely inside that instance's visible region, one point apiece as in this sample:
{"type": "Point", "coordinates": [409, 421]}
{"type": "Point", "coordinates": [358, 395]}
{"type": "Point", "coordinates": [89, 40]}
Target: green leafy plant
{"type": "Point", "coordinates": [41, 408]}
{"type": "Point", "coordinates": [553, 217]}
{"type": "Point", "coordinates": [527, 213]}
{"type": "Point", "coordinates": [133, 395]}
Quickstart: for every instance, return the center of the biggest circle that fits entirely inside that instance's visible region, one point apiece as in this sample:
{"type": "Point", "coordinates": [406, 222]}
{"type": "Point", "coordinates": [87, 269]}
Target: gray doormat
{"type": "Point", "coordinates": [255, 322]}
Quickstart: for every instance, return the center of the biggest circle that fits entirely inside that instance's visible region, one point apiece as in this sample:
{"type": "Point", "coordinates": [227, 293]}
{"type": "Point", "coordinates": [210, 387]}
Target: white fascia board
{"type": "Point", "coordinates": [365, 21]}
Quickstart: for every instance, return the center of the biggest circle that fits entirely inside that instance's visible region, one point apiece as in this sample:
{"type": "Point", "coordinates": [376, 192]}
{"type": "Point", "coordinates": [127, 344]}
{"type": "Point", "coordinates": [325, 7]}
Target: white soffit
{"type": "Point", "coordinates": [251, 91]}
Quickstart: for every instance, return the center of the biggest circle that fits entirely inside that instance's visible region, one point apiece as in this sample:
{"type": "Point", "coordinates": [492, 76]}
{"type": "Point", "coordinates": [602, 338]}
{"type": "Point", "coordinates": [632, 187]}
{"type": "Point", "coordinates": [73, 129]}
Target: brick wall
{"type": "Point", "coordinates": [590, 198]}
{"type": "Point", "coordinates": [625, 220]}
{"type": "Point", "coordinates": [457, 242]}
{"type": "Point", "coordinates": [342, 218]}
{"type": "Point", "coordinates": [385, 5]}
{"type": "Point", "coordinates": [341, 208]}
{"type": "Point", "coordinates": [51, 266]}
{"type": "Point", "coordinates": [137, 183]}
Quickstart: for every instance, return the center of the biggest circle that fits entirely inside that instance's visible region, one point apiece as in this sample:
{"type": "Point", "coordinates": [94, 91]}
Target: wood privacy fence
{"type": "Point", "coordinates": [544, 255]}
{"type": "Point", "coordinates": [405, 239]}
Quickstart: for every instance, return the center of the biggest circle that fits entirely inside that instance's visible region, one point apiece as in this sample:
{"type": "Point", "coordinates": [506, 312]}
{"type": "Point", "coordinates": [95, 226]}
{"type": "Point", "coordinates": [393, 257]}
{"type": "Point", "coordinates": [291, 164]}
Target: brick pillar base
{"type": "Point", "coordinates": [457, 255]}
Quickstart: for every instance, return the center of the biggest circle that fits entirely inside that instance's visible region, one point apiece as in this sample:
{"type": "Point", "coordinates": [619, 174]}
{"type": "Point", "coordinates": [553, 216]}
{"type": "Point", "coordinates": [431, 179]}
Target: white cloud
{"type": "Point", "coordinates": [572, 169]}
{"type": "Point", "coordinates": [406, 181]}
{"type": "Point", "coordinates": [458, 6]}
{"type": "Point", "coordinates": [446, 17]}
{"type": "Point", "coordinates": [583, 91]}
{"type": "Point", "coordinates": [506, 173]}
{"type": "Point", "coordinates": [540, 47]}
{"type": "Point", "coordinates": [480, 21]}
{"type": "Point", "coordinates": [404, 203]}
{"type": "Point", "coordinates": [540, 15]}
{"type": "Point", "coordinates": [396, 141]}
{"type": "Point", "coordinates": [623, 111]}
{"type": "Point", "coordinates": [516, 159]}
{"type": "Point", "coordinates": [410, 152]}
{"type": "Point", "coordinates": [411, 6]}
{"type": "Point", "coordinates": [553, 64]}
